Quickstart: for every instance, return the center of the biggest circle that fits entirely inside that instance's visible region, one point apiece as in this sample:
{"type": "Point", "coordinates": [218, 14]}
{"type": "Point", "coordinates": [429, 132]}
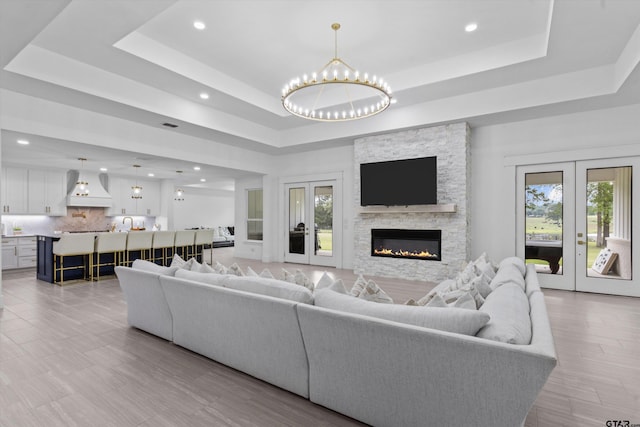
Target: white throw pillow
{"type": "Point", "coordinates": [325, 281]}
{"type": "Point", "coordinates": [266, 274]}
{"type": "Point", "coordinates": [508, 307]}
{"type": "Point", "coordinates": [219, 268]}
{"type": "Point", "coordinates": [250, 273]}
{"type": "Point", "coordinates": [463, 300]}
{"type": "Point", "coordinates": [358, 286]}
{"type": "Point", "coordinates": [443, 286]}
{"type": "Point", "coordinates": [455, 320]}
{"type": "Point", "coordinates": [373, 292]}
{"type": "Point", "coordinates": [194, 265]}
{"type": "Point", "coordinates": [177, 261]}
{"type": "Point", "coordinates": [205, 268]}
{"type": "Point", "coordinates": [235, 269]}
{"type": "Point", "coordinates": [298, 278]}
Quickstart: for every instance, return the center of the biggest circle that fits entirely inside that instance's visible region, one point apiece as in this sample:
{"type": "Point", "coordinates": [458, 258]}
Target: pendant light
{"type": "Point", "coordinates": [136, 190]}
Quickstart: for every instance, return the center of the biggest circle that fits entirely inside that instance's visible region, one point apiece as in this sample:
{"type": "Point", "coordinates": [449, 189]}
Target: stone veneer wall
{"type": "Point", "coordinates": [450, 143]}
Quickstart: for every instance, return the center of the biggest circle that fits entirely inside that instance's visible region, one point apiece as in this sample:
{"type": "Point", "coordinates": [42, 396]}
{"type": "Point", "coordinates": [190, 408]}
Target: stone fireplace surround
{"type": "Point", "coordinates": [450, 143]}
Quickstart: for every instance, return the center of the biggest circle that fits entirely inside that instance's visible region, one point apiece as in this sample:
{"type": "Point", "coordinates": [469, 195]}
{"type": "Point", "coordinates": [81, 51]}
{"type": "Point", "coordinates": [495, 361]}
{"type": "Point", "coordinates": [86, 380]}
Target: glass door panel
{"type": "Point", "coordinates": [605, 216]}
{"type": "Point", "coordinates": [297, 224]}
{"type": "Point", "coordinates": [323, 214]}
{"type": "Point", "coordinates": [545, 224]}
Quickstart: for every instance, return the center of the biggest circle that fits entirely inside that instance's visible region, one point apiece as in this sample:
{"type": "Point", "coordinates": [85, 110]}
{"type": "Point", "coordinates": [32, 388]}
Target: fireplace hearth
{"type": "Point", "coordinates": [408, 244]}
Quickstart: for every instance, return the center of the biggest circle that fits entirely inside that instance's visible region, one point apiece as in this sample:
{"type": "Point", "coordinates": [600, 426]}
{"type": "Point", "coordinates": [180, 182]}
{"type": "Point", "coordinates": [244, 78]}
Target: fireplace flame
{"type": "Point", "coordinates": [403, 253]}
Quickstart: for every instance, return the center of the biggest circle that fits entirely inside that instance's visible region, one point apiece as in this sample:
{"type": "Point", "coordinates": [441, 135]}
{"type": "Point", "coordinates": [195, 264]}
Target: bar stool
{"type": "Point", "coordinates": [204, 240]}
{"type": "Point", "coordinates": [162, 241]}
{"type": "Point", "coordinates": [113, 244]}
{"type": "Point", "coordinates": [73, 246]}
{"type": "Point", "coordinates": [184, 242]}
{"type": "Point", "coordinates": [138, 241]}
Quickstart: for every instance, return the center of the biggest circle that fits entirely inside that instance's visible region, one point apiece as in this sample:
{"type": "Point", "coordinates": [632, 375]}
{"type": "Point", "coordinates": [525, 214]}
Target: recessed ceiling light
{"type": "Point", "coordinates": [196, 168]}
{"type": "Point", "coordinates": [471, 27]}
{"type": "Point", "coordinates": [23, 142]}
{"type": "Point", "coordinates": [204, 95]}
{"type": "Point", "coordinates": [199, 25]}
{"type": "Point", "coordinates": [103, 169]}
{"type": "Point", "coordinates": [151, 174]}
{"type": "Point", "coordinates": [203, 180]}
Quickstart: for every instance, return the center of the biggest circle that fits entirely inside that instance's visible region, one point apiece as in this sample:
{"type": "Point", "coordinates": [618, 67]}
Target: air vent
{"type": "Point", "coordinates": [170, 125]}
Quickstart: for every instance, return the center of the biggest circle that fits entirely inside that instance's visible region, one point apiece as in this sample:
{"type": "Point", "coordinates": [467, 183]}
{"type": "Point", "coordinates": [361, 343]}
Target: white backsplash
{"type": "Point", "coordinates": [77, 219]}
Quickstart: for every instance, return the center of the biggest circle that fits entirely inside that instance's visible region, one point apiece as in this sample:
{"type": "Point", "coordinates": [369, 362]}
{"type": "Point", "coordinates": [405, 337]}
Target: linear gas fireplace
{"type": "Point", "coordinates": [410, 244]}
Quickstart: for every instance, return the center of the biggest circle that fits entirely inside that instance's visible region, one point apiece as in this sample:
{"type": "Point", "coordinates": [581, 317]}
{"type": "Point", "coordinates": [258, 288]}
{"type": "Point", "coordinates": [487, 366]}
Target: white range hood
{"type": "Point", "coordinates": [97, 196]}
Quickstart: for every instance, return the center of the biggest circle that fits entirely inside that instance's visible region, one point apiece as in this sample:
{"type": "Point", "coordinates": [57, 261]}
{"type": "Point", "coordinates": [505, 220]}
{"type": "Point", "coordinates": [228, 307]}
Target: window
{"type": "Point", "coordinates": [254, 214]}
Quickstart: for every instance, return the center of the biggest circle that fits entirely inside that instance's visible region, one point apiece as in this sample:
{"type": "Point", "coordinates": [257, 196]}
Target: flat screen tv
{"type": "Point", "coordinates": [399, 182]}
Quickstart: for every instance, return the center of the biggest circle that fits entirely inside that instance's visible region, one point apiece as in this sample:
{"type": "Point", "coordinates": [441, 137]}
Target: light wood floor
{"type": "Point", "coordinates": [68, 358]}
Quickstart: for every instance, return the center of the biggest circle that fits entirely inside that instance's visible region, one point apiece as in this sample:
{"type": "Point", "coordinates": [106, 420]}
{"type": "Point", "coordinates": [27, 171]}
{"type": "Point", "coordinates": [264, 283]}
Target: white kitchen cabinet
{"type": "Point", "coordinates": [124, 204]}
{"type": "Point", "coordinates": [19, 252]}
{"type": "Point", "coordinates": [120, 191]}
{"type": "Point", "coordinates": [47, 192]}
{"type": "Point", "coordinates": [13, 191]}
{"type": "Point", "coordinates": [149, 205]}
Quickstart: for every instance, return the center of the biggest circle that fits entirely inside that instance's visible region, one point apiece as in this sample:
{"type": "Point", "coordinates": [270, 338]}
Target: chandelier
{"type": "Point", "coordinates": [82, 186]}
{"type": "Point", "coordinates": [336, 93]}
{"type": "Point", "coordinates": [136, 190]}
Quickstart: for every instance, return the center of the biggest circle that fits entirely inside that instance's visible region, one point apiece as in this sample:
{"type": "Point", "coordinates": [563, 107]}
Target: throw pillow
{"type": "Point", "coordinates": [219, 268]}
{"type": "Point", "coordinates": [325, 281]}
{"type": "Point", "coordinates": [266, 274]}
{"type": "Point", "coordinates": [235, 269]}
{"type": "Point", "coordinates": [205, 268]}
{"type": "Point", "coordinates": [299, 278]}
{"type": "Point", "coordinates": [358, 286]}
{"type": "Point", "coordinates": [461, 300]}
{"type": "Point", "coordinates": [250, 273]}
{"type": "Point", "coordinates": [177, 261]}
{"type": "Point", "coordinates": [453, 319]}
{"type": "Point", "coordinates": [194, 265]}
{"type": "Point", "coordinates": [373, 292]}
{"type": "Point", "coordinates": [443, 286]}
{"type": "Point", "coordinates": [508, 308]}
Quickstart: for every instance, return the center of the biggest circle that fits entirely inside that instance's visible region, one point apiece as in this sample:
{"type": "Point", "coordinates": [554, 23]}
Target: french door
{"type": "Point", "coordinates": [311, 223]}
{"type": "Point", "coordinates": [575, 223]}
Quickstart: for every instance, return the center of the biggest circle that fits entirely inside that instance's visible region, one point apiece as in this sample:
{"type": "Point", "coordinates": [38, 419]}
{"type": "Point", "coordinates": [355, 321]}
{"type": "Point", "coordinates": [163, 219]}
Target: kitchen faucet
{"type": "Point", "coordinates": [125, 218]}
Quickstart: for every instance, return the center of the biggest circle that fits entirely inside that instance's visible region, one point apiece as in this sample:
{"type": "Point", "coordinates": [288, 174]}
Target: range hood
{"type": "Point", "coordinates": [97, 196]}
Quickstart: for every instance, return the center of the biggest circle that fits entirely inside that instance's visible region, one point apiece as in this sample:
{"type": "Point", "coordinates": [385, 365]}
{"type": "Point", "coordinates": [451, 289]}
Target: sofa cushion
{"type": "Point", "coordinates": [270, 287]}
{"type": "Point", "coordinates": [152, 267]}
{"type": "Point", "coordinates": [515, 261]}
{"type": "Point", "coordinates": [207, 278]}
{"type": "Point", "coordinates": [508, 273]}
{"type": "Point", "coordinates": [456, 320]}
{"type": "Point", "coordinates": [508, 307]}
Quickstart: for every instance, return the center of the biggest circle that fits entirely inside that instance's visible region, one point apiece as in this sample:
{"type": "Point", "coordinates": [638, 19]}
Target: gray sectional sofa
{"type": "Point", "coordinates": [380, 371]}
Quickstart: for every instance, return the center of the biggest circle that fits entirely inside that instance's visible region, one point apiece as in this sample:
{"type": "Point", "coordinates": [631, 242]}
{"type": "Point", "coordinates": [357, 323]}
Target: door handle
{"type": "Point", "coordinates": [581, 242]}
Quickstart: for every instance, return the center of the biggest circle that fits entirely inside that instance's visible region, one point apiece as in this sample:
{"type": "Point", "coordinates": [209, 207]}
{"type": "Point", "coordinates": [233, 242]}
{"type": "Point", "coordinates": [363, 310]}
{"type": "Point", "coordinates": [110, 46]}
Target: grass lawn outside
{"type": "Point", "coordinates": [541, 226]}
{"type": "Point", "coordinates": [326, 239]}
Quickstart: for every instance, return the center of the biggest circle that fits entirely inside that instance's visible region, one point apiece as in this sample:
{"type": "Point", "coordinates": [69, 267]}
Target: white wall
{"type": "Point", "coordinates": [497, 149]}
{"type": "Point", "coordinates": [291, 168]}
{"type": "Point", "coordinates": [203, 209]}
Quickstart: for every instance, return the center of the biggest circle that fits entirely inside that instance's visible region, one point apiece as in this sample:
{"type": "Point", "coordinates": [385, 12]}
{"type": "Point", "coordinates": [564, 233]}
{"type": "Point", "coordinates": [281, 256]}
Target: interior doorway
{"type": "Point", "coordinates": [575, 224]}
